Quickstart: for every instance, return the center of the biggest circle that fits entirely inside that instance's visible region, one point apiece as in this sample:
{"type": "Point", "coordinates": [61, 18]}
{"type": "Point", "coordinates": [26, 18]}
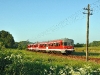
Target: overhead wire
{"type": "Point", "coordinates": [68, 21]}
{"type": "Point", "coordinates": [63, 23]}
{"type": "Point", "coordinates": [95, 6]}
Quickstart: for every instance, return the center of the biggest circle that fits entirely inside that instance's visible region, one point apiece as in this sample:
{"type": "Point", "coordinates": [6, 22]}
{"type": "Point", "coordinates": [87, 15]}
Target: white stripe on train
{"type": "Point", "coordinates": [61, 50]}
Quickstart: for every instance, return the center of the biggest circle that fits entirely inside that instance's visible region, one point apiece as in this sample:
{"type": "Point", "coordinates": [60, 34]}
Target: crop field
{"type": "Point", "coordinates": [23, 62]}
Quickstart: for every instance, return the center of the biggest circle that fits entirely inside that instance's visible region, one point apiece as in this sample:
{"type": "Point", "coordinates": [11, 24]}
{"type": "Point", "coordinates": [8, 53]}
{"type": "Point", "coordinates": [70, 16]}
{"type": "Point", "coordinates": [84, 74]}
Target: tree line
{"type": "Point", "coordinates": [92, 44]}
{"type": "Point", "coordinates": [7, 41]}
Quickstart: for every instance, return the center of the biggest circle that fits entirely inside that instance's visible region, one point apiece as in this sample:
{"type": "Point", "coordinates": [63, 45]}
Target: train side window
{"type": "Point", "coordinates": [48, 44]}
{"type": "Point", "coordinates": [72, 43]}
{"type": "Point", "coordinates": [68, 44]}
{"type": "Point", "coordinates": [55, 44]}
{"type": "Point", "coordinates": [52, 44]}
{"type": "Point", "coordinates": [58, 44]}
{"type": "Point", "coordinates": [45, 45]}
{"type": "Point", "coordinates": [65, 43]}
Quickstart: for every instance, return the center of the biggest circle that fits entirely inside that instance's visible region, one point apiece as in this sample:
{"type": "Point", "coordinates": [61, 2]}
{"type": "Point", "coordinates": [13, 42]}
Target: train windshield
{"type": "Point", "coordinates": [65, 43]}
{"type": "Point", "coordinates": [68, 43]}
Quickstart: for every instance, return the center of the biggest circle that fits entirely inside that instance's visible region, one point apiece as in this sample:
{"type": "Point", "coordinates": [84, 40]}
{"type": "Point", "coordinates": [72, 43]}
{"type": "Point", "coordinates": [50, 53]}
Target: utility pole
{"type": "Point", "coordinates": [87, 31]}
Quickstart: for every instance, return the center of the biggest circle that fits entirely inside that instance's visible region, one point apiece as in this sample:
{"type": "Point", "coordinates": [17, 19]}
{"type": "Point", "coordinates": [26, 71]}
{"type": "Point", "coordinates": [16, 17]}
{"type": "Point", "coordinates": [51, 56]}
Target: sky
{"type": "Point", "coordinates": [44, 20]}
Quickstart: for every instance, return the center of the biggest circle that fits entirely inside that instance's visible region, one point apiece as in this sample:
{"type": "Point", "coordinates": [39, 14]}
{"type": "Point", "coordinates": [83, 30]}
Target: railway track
{"type": "Point", "coordinates": [77, 57]}
{"type": "Point", "coordinates": [74, 57]}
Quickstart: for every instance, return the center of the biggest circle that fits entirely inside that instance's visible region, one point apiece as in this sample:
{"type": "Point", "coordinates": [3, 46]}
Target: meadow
{"type": "Point", "coordinates": [23, 62]}
{"type": "Point", "coordinates": [93, 51]}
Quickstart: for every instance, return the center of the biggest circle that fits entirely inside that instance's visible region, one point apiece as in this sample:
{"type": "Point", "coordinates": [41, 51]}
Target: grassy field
{"type": "Point", "coordinates": [22, 62]}
{"type": "Point", "coordinates": [93, 51]}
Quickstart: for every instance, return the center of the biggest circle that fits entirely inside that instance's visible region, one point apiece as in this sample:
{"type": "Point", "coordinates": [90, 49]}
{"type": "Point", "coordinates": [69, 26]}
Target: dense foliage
{"type": "Point", "coordinates": [22, 45]}
{"type": "Point", "coordinates": [92, 44]}
{"type": "Point", "coordinates": [6, 39]}
{"type": "Point", "coordinates": [29, 63]}
{"type": "Point", "coordinates": [95, 43]}
{"type": "Point", "coordinates": [79, 45]}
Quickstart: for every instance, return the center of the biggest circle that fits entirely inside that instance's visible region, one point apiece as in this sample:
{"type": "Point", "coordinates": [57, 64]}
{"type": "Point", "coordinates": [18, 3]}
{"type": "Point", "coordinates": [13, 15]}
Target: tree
{"type": "Point", "coordinates": [22, 45]}
{"type": "Point", "coordinates": [95, 43]}
{"type": "Point", "coordinates": [79, 45]}
{"type": "Point", "coordinates": [7, 39]}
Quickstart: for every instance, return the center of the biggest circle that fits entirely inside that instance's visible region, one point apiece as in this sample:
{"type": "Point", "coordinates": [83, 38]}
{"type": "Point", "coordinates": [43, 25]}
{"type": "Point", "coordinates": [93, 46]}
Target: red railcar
{"type": "Point", "coordinates": [61, 45]}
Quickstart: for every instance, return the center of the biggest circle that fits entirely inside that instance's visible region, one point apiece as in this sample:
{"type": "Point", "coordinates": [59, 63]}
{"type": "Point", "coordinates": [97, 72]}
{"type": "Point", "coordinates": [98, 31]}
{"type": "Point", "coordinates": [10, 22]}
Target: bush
{"type": "Point", "coordinates": [17, 64]}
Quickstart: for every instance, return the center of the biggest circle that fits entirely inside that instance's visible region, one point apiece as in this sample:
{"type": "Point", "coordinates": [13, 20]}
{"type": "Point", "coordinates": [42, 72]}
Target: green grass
{"type": "Point", "coordinates": [22, 62]}
{"type": "Point", "coordinates": [53, 60]}
{"type": "Point", "coordinates": [93, 51]}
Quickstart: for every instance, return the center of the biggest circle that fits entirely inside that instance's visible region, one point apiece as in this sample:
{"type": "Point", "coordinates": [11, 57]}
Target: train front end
{"type": "Point", "coordinates": [68, 45]}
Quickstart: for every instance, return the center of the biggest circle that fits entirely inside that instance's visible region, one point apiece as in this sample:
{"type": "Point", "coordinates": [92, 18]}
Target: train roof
{"type": "Point", "coordinates": [63, 39]}
{"type": "Point", "coordinates": [56, 40]}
